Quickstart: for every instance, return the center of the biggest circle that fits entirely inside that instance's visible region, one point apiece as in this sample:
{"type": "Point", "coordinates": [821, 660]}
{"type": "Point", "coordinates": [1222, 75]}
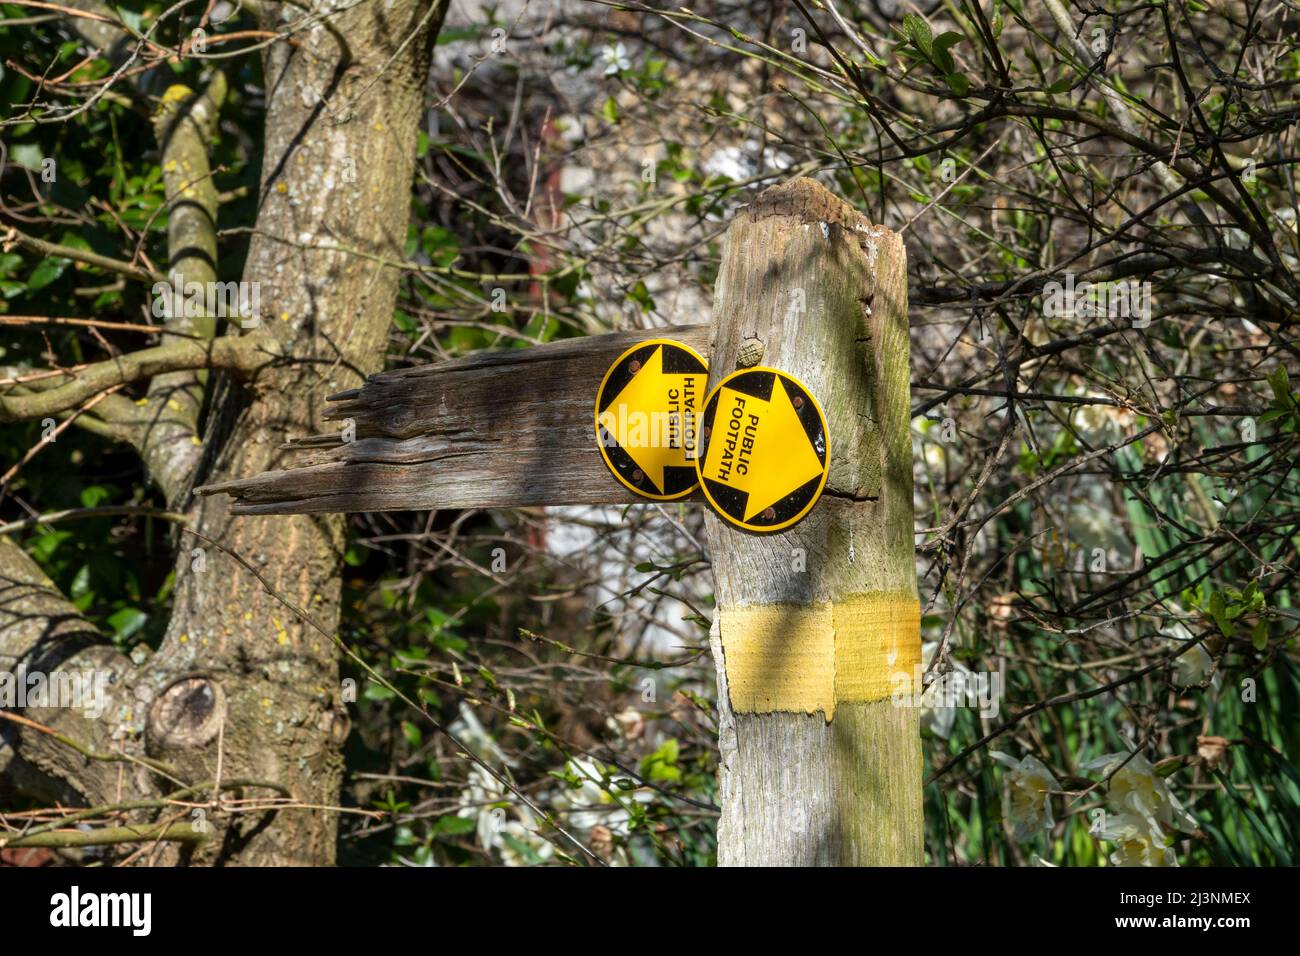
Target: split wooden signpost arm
{"type": "Point", "coordinates": [814, 624]}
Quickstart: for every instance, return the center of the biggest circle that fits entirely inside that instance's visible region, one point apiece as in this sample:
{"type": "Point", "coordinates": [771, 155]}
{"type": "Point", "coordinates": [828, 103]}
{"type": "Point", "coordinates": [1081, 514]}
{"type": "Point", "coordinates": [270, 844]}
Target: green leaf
{"type": "Point", "coordinates": [958, 83]}
{"type": "Point", "coordinates": [94, 495]}
{"type": "Point", "coordinates": [1259, 635]}
{"type": "Point", "coordinates": [391, 803]}
{"type": "Point", "coordinates": [610, 110]}
{"type": "Point", "coordinates": [530, 855]}
{"type": "Point", "coordinates": [403, 322]}
{"type": "Point", "coordinates": [440, 245]}
{"type": "Point", "coordinates": [567, 284]}
{"type": "Point", "coordinates": [457, 35]}
{"type": "Point", "coordinates": [640, 294]}
{"type": "Point", "coordinates": [81, 584]}
{"type": "Point", "coordinates": [1280, 383]}
{"type": "Point", "coordinates": [662, 764]}
{"type": "Point", "coordinates": [45, 273]}
{"type": "Point", "coordinates": [126, 622]}
{"type": "Point", "coordinates": [942, 44]}
{"type": "Point", "coordinates": [948, 39]}
{"type": "Point", "coordinates": [427, 695]}
{"type": "Point", "coordinates": [43, 548]}
{"type": "Point", "coordinates": [26, 154]}
{"type": "Point", "coordinates": [452, 825]}
{"type": "Point", "coordinates": [918, 31]}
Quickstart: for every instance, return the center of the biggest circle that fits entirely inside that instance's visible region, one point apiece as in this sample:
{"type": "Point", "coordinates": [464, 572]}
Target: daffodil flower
{"type": "Point", "coordinates": [1136, 843]}
{"type": "Point", "coordinates": [1027, 802]}
{"type": "Point", "coordinates": [1192, 664]}
{"type": "Point", "coordinates": [1137, 790]}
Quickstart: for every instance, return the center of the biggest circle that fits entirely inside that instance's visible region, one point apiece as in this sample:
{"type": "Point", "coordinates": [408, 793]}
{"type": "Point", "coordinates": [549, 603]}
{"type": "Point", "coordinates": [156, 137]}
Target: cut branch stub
{"type": "Point", "coordinates": [187, 714]}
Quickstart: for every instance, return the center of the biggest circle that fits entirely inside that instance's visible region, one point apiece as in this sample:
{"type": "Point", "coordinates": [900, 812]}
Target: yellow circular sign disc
{"type": "Point", "coordinates": [764, 450]}
{"type": "Point", "coordinates": [647, 411]}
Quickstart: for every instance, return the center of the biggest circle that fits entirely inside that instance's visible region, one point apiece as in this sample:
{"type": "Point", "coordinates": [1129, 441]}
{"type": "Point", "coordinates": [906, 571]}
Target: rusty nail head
{"type": "Point", "coordinates": [634, 366]}
{"type": "Point", "coordinates": [798, 401]}
{"type": "Point", "coordinates": [638, 475]}
{"type": "Point", "coordinates": [769, 514]}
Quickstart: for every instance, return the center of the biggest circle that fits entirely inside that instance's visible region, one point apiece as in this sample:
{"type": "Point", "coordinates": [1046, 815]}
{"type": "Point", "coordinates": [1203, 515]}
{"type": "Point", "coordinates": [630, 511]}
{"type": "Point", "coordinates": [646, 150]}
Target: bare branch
{"type": "Point", "coordinates": [243, 354]}
{"type": "Point", "coordinates": [13, 237]}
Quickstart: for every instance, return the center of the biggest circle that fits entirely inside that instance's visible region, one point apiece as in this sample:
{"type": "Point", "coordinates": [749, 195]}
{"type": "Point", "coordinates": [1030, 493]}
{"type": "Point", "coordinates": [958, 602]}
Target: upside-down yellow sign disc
{"type": "Point", "coordinates": [647, 411]}
{"type": "Point", "coordinates": [764, 450]}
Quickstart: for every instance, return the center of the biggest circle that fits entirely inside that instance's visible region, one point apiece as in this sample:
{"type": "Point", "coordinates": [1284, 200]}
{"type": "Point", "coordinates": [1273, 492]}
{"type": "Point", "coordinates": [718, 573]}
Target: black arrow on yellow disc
{"type": "Point", "coordinates": [647, 410]}
{"type": "Point", "coordinates": [764, 450]}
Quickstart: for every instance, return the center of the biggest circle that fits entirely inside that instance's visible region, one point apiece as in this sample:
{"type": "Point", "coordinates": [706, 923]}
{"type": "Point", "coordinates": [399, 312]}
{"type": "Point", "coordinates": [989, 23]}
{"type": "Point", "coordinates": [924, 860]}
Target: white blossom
{"type": "Point", "coordinates": [493, 824]}
{"type": "Point", "coordinates": [1027, 802]}
{"type": "Point", "coordinates": [938, 720]}
{"type": "Point", "coordinates": [1136, 843]}
{"type": "Point", "coordinates": [615, 59]}
{"type": "Point", "coordinates": [1192, 664]}
{"type": "Point", "coordinates": [1137, 790]}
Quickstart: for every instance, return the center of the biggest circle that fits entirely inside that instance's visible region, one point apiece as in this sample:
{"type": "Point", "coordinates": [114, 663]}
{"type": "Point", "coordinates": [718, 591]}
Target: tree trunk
{"type": "Point", "coordinates": [241, 688]}
{"type": "Point", "coordinates": [337, 169]}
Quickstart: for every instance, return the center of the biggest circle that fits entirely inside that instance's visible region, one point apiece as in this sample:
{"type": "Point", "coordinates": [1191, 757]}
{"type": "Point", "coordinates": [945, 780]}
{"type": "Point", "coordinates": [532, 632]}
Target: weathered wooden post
{"type": "Point", "coordinates": [819, 765]}
{"type": "Point", "coordinates": [816, 621]}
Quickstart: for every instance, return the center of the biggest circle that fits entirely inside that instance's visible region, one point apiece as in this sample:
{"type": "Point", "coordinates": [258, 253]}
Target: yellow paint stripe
{"type": "Point", "coordinates": [807, 658]}
{"type": "Point", "coordinates": [875, 639]}
{"type": "Point", "coordinates": [779, 657]}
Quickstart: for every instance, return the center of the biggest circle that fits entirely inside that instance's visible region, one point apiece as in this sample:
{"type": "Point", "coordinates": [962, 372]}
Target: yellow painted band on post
{"type": "Point", "coordinates": [806, 658]}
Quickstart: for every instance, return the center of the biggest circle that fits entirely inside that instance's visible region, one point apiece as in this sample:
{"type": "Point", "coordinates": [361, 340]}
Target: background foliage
{"type": "Point", "coordinates": [1106, 514]}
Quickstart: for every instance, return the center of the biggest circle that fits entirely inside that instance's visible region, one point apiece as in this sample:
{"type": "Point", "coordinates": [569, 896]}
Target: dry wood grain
{"type": "Point", "coordinates": [506, 428]}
